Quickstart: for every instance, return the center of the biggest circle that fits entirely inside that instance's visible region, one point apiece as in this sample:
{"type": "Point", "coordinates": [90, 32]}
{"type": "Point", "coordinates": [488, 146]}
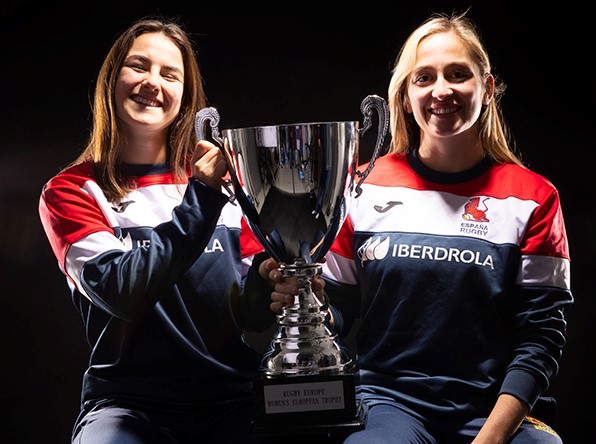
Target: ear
{"type": "Point", "coordinates": [489, 90]}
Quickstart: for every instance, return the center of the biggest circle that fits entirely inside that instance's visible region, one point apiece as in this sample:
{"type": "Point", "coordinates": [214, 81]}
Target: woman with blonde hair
{"type": "Point", "coordinates": [454, 259]}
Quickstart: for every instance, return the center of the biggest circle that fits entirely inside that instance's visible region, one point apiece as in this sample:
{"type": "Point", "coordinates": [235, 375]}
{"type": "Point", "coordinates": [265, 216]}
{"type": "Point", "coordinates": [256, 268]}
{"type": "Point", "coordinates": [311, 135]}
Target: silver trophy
{"type": "Point", "coordinates": [294, 183]}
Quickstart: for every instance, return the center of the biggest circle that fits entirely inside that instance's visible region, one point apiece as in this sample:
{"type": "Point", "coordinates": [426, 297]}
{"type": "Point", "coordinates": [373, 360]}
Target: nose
{"type": "Point", "coordinates": [151, 80]}
{"type": "Point", "coordinates": [442, 89]}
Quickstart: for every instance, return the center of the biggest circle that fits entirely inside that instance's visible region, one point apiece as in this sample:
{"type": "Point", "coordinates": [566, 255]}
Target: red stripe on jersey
{"type": "Point", "coordinates": [249, 245]}
{"type": "Point", "coordinates": [343, 243]}
{"type": "Point", "coordinates": [68, 213]}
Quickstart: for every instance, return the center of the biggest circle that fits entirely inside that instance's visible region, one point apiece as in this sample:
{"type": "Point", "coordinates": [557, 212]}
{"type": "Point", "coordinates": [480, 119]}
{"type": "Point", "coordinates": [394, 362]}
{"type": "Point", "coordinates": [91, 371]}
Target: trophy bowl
{"type": "Point", "coordinates": [294, 183]}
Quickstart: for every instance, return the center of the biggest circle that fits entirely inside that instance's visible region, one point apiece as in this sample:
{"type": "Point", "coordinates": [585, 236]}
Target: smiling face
{"type": "Point", "coordinates": [150, 85]}
{"type": "Point", "coordinates": [446, 91]}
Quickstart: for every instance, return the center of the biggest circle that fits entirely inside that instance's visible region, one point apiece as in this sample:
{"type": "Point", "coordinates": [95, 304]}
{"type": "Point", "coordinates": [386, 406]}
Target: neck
{"type": "Point", "coordinates": [144, 149]}
{"type": "Point", "coordinates": [451, 155]}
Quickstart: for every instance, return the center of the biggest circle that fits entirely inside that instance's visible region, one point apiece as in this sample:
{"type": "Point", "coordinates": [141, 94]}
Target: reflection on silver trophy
{"type": "Point", "coordinates": [294, 183]}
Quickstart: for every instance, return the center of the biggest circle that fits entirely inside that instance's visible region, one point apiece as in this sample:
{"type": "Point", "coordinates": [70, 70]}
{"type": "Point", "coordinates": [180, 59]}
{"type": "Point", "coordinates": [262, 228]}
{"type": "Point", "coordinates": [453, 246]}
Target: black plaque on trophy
{"type": "Point", "coordinates": [307, 404]}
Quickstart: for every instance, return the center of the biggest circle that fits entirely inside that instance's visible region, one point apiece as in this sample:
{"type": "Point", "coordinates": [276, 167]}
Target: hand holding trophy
{"type": "Point", "coordinates": [294, 183]}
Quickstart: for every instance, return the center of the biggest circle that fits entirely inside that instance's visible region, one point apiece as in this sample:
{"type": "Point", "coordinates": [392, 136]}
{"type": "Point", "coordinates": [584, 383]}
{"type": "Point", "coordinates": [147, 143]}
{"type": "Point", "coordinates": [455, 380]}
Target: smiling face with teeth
{"type": "Point", "coordinates": [149, 88]}
{"type": "Point", "coordinates": [446, 90]}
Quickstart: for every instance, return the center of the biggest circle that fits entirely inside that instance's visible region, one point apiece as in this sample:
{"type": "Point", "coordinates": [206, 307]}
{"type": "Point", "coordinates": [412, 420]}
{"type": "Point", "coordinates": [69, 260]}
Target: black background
{"type": "Point", "coordinates": [292, 62]}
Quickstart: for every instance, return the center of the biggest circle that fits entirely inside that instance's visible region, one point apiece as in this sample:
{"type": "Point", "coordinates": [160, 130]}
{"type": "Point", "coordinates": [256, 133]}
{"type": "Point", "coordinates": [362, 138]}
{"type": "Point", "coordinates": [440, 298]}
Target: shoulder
{"type": "Point", "coordinates": [73, 175]}
{"type": "Point", "coordinates": [71, 186]}
{"type": "Point", "coordinates": [522, 182]}
{"type": "Point", "coordinates": [386, 169]}
{"type": "Point", "coordinates": [390, 160]}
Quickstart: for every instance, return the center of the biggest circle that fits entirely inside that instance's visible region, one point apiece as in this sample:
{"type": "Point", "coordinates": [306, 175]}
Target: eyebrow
{"type": "Point", "coordinates": [455, 63]}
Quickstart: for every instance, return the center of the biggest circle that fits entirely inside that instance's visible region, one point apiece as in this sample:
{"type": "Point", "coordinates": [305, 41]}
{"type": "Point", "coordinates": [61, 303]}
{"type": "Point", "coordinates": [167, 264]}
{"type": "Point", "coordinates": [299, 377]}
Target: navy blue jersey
{"type": "Point", "coordinates": [459, 280]}
{"type": "Point", "coordinates": [153, 276]}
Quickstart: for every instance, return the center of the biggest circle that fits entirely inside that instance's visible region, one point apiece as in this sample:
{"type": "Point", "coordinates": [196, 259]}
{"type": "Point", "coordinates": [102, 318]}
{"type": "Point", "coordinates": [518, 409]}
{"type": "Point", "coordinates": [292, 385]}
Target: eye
{"type": "Point", "coordinates": [135, 66]}
{"type": "Point", "coordinates": [173, 75]}
{"type": "Point", "coordinates": [459, 75]}
{"type": "Point", "coordinates": [421, 78]}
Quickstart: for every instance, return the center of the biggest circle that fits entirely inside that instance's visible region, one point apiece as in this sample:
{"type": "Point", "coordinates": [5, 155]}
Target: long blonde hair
{"type": "Point", "coordinates": [103, 144]}
{"type": "Point", "coordinates": [494, 132]}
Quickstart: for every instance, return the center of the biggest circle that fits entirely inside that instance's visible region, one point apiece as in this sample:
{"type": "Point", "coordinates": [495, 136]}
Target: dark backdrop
{"type": "Point", "coordinates": [308, 62]}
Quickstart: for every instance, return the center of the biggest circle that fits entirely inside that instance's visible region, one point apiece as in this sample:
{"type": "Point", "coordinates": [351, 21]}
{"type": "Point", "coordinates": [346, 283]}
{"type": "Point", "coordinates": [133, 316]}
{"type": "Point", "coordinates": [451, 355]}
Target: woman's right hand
{"type": "Point", "coordinates": [209, 165]}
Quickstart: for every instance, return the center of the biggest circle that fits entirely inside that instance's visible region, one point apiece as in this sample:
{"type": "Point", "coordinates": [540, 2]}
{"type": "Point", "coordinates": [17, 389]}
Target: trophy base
{"type": "Point", "coordinates": [319, 404]}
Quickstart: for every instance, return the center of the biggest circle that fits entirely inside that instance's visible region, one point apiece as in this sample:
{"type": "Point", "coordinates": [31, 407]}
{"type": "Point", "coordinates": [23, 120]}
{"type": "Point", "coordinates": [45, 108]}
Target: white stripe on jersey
{"type": "Point", "coordinates": [87, 248]}
{"type": "Point", "coordinates": [532, 272]}
{"type": "Point", "coordinates": [152, 204]}
{"type": "Point", "coordinates": [340, 269]}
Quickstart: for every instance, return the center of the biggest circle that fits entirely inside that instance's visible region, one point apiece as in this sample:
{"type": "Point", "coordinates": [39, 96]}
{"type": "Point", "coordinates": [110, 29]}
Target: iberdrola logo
{"type": "Point", "coordinates": [473, 212]}
{"type": "Point", "coordinates": [373, 249]}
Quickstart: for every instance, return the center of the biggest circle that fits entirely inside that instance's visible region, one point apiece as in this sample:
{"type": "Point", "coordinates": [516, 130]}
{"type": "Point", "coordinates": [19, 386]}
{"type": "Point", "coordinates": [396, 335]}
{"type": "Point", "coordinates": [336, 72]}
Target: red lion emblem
{"type": "Point", "coordinates": [473, 212]}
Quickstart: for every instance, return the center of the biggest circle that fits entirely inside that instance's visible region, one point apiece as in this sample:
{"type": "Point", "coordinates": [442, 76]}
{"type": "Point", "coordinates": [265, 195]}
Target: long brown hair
{"type": "Point", "coordinates": [104, 139]}
{"type": "Point", "coordinates": [493, 129]}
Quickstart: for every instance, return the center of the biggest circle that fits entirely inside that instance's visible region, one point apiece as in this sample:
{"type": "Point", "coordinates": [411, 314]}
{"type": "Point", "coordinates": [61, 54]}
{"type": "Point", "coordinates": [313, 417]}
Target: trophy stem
{"type": "Point", "coordinates": [303, 344]}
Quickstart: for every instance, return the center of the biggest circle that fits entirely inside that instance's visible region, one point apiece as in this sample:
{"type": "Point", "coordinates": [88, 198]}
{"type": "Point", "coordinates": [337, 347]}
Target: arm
{"type": "Point", "coordinates": [503, 421]}
{"type": "Point", "coordinates": [540, 295]}
{"type": "Point", "coordinates": [252, 306]}
{"type": "Point", "coordinates": [90, 245]}
{"type": "Point", "coordinates": [121, 280]}
{"type": "Point", "coordinates": [342, 287]}
{"type": "Point", "coordinates": [543, 291]}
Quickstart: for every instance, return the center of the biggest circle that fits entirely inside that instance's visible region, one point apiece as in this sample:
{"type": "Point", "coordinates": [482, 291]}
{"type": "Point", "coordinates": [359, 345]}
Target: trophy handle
{"type": "Point", "coordinates": [211, 115]}
{"type": "Point", "coordinates": [368, 104]}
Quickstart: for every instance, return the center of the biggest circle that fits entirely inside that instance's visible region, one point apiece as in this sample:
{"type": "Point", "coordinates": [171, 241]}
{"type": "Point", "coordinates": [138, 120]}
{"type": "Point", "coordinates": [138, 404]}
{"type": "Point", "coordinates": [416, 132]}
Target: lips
{"type": "Point", "coordinates": [444, 110]}
{"type": "Point", "coordinates": [145, 101]}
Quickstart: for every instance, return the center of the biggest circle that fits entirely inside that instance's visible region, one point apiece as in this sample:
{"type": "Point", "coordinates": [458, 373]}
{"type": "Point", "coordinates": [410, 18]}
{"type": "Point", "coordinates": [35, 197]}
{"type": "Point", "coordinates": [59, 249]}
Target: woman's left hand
{"type": "Point", "coordinates": [209, 165]}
